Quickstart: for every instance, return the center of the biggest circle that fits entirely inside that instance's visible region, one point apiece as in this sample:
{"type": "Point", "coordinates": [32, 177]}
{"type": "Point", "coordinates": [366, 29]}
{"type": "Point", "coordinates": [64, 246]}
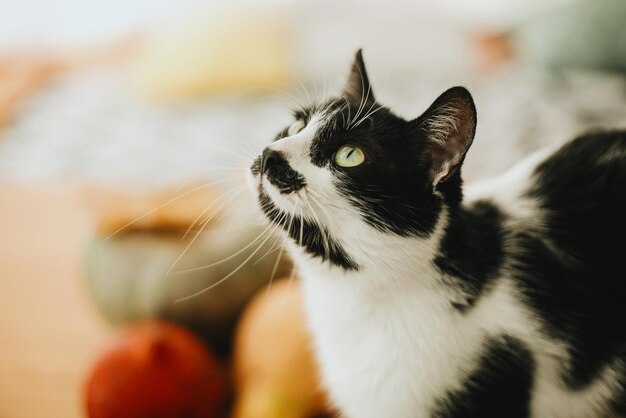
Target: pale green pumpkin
{"type": "Point", "coordinates": [128, 275]}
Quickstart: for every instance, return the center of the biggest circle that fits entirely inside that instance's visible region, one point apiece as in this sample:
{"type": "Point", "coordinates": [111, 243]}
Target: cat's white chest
{"type": "Point", "coordinates": [386, 353]}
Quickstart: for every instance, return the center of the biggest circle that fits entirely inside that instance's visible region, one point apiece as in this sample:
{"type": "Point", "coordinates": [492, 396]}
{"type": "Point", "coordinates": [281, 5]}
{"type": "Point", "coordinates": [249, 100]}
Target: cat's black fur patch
{"type": "Point", "coordinates": [471, 249]}
{"type": "Point", "coordinates": [580, 290]}
{"type": "Point", "coordinates": [280, 174]}
{"type": "Point", "coordinates": [499, 387]}
{"type": "Point", "coordinates": [618, 404]}
{"type": "Point", "coordinates": [571, 271]}
{"type": "Point", "coordinates": [313, 238]}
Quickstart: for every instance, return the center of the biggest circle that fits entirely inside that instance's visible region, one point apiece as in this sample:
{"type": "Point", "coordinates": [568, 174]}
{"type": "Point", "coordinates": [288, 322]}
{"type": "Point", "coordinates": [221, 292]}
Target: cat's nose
{"type": "Point", "coordinates": [271, 158]}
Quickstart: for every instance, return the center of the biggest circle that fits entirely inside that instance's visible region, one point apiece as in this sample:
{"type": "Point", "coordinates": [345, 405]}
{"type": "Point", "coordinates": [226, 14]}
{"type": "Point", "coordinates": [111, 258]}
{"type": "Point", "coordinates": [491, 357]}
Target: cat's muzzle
{"type": "Point", "coordinates": [279, 173]}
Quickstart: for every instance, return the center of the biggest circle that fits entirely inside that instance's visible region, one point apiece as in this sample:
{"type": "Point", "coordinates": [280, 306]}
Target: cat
{"type": "Point", "coordinates": [506, 300]}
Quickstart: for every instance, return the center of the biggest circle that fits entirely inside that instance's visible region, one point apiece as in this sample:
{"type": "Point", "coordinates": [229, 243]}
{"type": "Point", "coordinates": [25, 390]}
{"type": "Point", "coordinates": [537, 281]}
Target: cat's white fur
{"type": "Point", "coordinates": [387, 339]}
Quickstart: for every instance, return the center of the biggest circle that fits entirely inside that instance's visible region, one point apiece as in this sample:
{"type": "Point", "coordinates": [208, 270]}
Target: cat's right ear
{"type": "Point", "coordinates": [448, 128]}
{"type": "Point", "coordinates": [358, 89]}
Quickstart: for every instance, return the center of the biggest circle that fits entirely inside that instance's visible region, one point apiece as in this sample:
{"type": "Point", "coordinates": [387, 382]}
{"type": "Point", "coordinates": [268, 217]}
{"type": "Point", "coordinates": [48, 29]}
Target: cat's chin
{"type": "Point", "coordinates": [289, 203]}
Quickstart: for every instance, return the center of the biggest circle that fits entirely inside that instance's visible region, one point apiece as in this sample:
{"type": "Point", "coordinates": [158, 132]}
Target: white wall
{"type": "Point", "coordinates": [81, 22]}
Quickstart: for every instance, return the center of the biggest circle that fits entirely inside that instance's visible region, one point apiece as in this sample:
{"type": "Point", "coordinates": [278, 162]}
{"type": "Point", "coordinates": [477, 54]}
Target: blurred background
{"type": "Point", "coordinates": [125, 130]}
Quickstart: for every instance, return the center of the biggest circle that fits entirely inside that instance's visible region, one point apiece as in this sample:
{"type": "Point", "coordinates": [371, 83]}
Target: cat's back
{"type": "Point", "coordinates": [579, 195]}
{"type": "Point", "coordinates": [564, 233]}
{"type": "Point", "coordinates": [582, 187]}
{"type": "Point", "coordinates": [568, 255]}
{"type": "Point", "coordinates": [578, 280]}
{"type": "Point", "coordinates": [574, 196]}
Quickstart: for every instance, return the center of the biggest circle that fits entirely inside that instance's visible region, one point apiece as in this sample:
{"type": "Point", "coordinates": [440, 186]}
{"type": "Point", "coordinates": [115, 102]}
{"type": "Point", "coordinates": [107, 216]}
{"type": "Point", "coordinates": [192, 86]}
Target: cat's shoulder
{"type": "Point", "coordinates": [586, 167]}
{"type": "Point", "coordinates": [591, 151]}
{"type": "Point", "coordinates": [583, 174]}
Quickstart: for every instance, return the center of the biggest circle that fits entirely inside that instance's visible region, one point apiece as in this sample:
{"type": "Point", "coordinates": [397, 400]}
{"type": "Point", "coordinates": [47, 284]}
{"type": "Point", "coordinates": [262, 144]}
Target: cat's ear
{"type": "Point", "coordinates": [448, 127]}
{"type": "Point", "coordinates": [358, 88]}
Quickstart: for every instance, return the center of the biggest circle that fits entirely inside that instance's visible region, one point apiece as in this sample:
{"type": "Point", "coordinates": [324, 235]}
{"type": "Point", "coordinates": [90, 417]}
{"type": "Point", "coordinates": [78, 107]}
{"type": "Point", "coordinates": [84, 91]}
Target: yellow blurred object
{"type": "Point", "coordinates": [237, 49]}
{"type": "Point", "coordinates": [275, 373]}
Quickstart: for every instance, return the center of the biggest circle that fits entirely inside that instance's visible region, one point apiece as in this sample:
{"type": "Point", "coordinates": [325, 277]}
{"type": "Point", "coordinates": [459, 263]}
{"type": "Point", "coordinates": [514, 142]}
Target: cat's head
{"type": "Point", "coordinates": [349, 169]}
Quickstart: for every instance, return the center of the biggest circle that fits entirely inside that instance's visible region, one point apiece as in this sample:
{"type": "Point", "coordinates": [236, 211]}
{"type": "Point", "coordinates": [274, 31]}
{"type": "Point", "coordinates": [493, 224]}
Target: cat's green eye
{"type": "Point", "coordinates": [296, 127]}
{"type": "Point", "coordinates": [349, 156]}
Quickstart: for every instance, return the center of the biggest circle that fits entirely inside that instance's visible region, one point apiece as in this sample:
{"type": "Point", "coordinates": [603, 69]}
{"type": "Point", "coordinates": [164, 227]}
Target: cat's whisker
{"type": "Point", "coordinates": [195, 221]}
{"type": "Point", "coordinates": [368, 114]}
{"type": "Point", "coordinates": [300, 241]}
{"type": "Point", "coordinates": [215, 204]}
{"type": "Point", "coordinates": [283, 93]}
{"type": "Point", "coordinates": [290, 101]}
{"type": "Point", "coordinates": [226, 168]}
{"type": "Point", "coordinates": [364, 98]}
{"type": "Point", "coordinates": [275, 245]}
{"type": "Point", "coordinates": [275, 267]}
{"type": "Point", "coordinates": [299, 80]}
{"type": "Point", "coordinates": [321, 226]}
{"type": "Point", "coordinates": [230, 257]}
{"type": "Point", "coordinates": [223, 279]}
{"type": "Point", "coordinates": [325, 239]}
{"type": "Point", "coordinates": [349, 118]}
{"type": "Point", "coordinates": [312, 194]}
{"type": "Point", "coordinates": [247, 151]}
{"type": "Point", "coordinates": [238, 189]}
{"type": "Point", "coordinates": [151, 211]}
{"type": "Point", "coordinates": [325, 87]}
{"type": "Point", "coordinates": [253, 152]}
{"type": "Point", "coordinates": [239, 192]}
{"type": "Point", "coordinates": [230, 225]}
{"type": "Point", "coordinates": [244, 158]}
{"type": "Point", "coordinates": [381, 89]}
{"type": "Point", "coordinates": [362, 107]}
{"type": "Point", "coordinates": [343, 117]}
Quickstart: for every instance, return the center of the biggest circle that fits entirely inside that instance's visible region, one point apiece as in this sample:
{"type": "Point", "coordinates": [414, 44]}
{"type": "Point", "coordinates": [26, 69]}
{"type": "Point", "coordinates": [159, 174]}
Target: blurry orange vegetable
{"type": "Point", "coordinates": [275, 373]}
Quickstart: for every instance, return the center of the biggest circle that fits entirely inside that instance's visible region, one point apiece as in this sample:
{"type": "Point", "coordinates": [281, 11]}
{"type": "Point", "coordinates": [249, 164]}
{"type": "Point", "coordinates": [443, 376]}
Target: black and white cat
{"type": "Point", "coordinates": [508, 302]}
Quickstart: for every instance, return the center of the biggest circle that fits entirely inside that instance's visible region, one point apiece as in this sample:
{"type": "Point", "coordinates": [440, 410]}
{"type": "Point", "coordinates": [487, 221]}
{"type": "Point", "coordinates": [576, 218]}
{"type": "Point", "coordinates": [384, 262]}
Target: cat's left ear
{"type": "Point", "coordinates": [448, 126]}
{"type": "Point", "coordinates": [358, 89]}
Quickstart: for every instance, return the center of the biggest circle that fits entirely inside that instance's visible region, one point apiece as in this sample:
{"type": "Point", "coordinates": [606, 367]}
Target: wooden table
{"type": "Point", "coordinates": [50, 333]}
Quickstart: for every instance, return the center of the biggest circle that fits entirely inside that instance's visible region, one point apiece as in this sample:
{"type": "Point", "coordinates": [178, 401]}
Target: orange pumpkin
{"type": "Point", "coordinates": [275, 373]}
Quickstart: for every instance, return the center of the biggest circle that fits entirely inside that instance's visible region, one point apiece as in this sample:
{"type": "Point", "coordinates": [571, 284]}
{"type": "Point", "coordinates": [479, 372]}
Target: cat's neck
{"type": "Point", "coordinates": [386, 261]}
{"type": "Point", "coordinates": [471, 251]}
{"type": "Point", "coordinates": [465, 246]}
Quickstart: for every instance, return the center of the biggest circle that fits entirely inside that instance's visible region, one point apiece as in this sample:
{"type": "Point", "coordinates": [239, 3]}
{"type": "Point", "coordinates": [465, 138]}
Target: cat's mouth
{"type": "Point", "coordinates": [278, 173]}
{"type": "Point", "coordinates": [285, 204]}
{"type": "Point", "coordinates": [280, 202]}
{"type": "Point", "coordinates": [279, 184]}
